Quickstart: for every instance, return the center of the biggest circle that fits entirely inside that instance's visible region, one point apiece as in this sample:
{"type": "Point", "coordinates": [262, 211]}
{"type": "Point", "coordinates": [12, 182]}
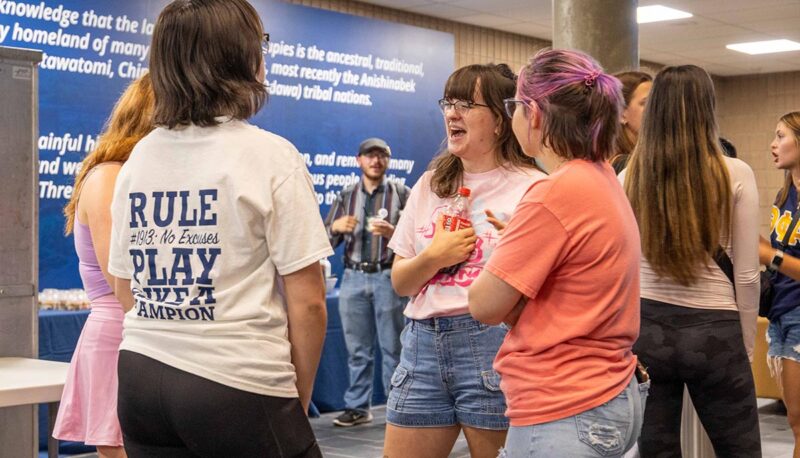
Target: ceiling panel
{"type": "Point", "coordinates": [700, 39]}
{"type": "Point", "coordinates": [530, 29]}
{"type": "Point", "coordinates": [528, 14]}
{"type": "Point", "coordinates": [712, 7]}
{"type": "Point", "coordinates": [706, 52]}
{"type": "Point", "coordinates": [772, 29]}
{"type": "Point", "coordinates": [753, 13]}
{"type": "Point", "coordinates": [667, 37]}
{"type": "Point", "coordinates": [399, 4]}
{"type": "Point", "coordinates": [499, 7]}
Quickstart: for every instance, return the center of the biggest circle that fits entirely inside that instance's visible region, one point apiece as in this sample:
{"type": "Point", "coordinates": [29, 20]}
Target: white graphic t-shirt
{"type": "Point", "coordinates": [498, 190]}
{"type": "Point", "coordinates": [205, 221]}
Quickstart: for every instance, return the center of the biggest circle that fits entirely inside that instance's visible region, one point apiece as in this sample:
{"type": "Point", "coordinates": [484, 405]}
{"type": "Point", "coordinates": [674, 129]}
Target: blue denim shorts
{"type": "Point", "coordinates": [783, 336]}
{"type": "Point", "coordinates": [610, 429]}
{"type": "Point", "coordinates": [445, 376]}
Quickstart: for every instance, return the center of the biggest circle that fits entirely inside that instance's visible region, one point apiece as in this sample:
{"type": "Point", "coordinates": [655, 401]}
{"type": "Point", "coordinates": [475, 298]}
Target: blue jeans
{"type": "Point", "coordinates": [369, 305]}
{"type": "Point", "coordinates": [610, 429]}
{"type": "Point", "coordinates": [445, 376]}
{"type": "Point", "coordinates": [783, 336]}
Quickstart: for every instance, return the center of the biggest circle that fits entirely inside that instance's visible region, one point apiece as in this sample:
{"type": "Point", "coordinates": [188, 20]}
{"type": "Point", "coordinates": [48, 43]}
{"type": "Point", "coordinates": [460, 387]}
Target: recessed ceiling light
{"type": "Point", "coordinates": [765, 47]}
{"type": "Point", "coordinates": [657, 13]}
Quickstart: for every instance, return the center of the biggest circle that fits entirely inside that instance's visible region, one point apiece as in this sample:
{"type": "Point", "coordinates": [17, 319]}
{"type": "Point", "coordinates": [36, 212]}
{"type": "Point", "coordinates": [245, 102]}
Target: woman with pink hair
{"type": "Point", "coordinates": [565, 275]}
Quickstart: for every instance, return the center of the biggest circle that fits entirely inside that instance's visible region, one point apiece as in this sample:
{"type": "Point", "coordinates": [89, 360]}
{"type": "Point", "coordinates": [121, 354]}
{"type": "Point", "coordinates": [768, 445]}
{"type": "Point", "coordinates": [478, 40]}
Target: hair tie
{"type": "Point", "coordinates": [506, 71]}
{"type": "Point", "coordinates": [590, 78]}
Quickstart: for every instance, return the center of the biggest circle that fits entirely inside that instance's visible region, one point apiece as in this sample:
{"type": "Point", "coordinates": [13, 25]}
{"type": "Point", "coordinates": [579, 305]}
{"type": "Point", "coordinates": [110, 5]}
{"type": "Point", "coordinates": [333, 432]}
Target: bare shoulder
{"type": "Point", "coordinates": [738, 166]}
{"type": "Point", "coordinates": [97, 188]}
{"type": "Point", "coordinates": [101, 177]}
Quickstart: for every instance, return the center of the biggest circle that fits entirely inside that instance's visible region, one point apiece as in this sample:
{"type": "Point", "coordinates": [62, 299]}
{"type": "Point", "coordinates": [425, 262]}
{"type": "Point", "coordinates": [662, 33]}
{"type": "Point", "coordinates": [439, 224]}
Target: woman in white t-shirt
{"type": "Point", "coordinates": [444, 382]}
{"type": "Point", "coordinates": [216, 241]}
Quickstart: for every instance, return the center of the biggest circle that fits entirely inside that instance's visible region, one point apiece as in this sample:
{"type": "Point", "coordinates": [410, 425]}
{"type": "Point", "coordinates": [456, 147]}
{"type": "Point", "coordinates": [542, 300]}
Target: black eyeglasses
{"type": "Point", "coordinates": [511, 106]}
{"type": "Point", "coordinates": [461, 106]}
{"type": "Point", "coordinates": [265, 43]}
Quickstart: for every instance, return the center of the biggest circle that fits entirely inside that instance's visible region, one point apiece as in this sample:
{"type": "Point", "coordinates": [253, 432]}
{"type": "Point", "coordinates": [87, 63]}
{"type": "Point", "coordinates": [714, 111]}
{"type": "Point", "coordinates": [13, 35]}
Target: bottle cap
{"type": "Point", "coordinates": [464, 192]}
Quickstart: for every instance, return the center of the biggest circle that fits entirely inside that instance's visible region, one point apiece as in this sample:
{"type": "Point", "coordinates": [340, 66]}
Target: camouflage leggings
{"type": "Point", "coordinates": [702, 349]}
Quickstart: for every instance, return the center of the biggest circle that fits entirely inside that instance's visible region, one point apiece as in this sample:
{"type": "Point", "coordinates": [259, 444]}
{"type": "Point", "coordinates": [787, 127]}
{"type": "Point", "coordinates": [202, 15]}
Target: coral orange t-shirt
{"type": "Point", "coordinates": [572, 247]}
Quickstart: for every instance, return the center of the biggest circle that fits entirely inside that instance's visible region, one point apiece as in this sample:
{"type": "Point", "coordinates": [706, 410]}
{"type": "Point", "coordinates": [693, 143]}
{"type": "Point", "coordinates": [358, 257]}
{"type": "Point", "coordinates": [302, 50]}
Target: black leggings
{"type": "Point", "coordinates": [166, 412]}
{"type": "Point", "coordinates": [704, 350]}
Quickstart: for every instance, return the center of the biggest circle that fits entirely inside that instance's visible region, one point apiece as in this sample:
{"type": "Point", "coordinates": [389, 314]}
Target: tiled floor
{"type": "Point", "coordinates": [363, 440]}
{"type": "Point", "coordinates": [777, 440]}
{"type": "Point", "coordinates": [367, 440]}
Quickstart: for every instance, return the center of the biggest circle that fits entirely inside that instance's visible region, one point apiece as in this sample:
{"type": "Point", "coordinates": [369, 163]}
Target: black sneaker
{"type": "Point", "coordinates": [352, 418]}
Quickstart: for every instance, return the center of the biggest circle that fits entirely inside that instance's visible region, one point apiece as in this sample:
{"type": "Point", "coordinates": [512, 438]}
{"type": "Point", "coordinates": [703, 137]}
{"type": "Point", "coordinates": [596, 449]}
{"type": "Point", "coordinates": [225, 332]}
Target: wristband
{"type": "Point", "coordinates": [777, 260]}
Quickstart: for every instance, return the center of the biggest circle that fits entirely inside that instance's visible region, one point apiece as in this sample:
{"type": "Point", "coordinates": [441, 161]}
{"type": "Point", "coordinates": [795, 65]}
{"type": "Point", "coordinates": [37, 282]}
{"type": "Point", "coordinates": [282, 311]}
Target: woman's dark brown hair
{"type": "Point", "coordinates": [626, 140]}
{"type": "Point", "coordinates": [677, 179]}
{"type": "Point", "coordinates": [496, 82]}
{"type": "Point", "coordinates": [204, 62]}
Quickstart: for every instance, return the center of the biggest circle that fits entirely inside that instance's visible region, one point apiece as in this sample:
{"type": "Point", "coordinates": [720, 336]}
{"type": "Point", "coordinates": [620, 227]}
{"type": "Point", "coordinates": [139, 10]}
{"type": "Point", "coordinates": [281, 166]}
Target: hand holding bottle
{"type": "Point", "coordinates": [450, 248]}
{"type": "Point", "coordinates": [456, 216]}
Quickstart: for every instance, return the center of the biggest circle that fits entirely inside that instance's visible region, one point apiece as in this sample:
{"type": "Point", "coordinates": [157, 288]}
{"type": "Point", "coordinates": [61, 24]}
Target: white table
{"type": "Point", "coordinates": [26, 381]}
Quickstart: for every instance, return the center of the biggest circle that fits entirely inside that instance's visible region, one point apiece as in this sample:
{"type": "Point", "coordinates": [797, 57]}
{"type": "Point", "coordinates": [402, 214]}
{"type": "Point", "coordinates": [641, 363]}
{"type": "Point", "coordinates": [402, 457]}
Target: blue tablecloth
{"type": "Point", "coordinates": [59, 332]}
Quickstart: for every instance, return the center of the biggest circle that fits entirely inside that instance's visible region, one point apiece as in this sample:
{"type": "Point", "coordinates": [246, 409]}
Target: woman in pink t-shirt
{"type": "Point", "coordinates": [445, 382]}
{"type": "Point", "coordinates": [566, 272]}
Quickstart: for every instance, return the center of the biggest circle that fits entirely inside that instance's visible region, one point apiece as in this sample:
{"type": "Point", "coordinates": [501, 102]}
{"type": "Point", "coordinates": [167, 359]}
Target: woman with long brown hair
{"type": "Point", "coordinates": [88, 411]}
{"type": "Point", "coordinates": [697, 210]}
{"type": "Point", "coordinates": [635, 89]}
{"type": "Point", "coordinates": [784, 314]}
{"type": "Point", "coordinates": [445, 382]}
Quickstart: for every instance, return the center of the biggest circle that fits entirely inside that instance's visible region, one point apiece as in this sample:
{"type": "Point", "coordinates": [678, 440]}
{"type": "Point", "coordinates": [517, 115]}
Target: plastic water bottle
{"type": "Point", "coordinates": [326, 267]}
{"type": "Point", "coordinates": [456, 217]}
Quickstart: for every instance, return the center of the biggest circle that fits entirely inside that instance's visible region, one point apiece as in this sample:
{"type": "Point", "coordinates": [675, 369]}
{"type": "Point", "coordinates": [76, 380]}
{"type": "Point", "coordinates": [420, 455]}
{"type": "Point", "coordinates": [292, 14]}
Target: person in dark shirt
{"type": "Point", "coordinates": [783, 333]}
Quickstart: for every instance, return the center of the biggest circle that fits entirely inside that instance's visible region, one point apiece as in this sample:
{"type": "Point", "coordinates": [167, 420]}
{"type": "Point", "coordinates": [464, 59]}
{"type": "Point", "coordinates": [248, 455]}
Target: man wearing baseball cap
{"type": "Point", "coordinates": [364, 216]}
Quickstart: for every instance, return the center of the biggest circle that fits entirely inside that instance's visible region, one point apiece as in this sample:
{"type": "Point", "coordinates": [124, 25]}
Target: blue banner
{"type": "Point", "coordinates": [334, 79]}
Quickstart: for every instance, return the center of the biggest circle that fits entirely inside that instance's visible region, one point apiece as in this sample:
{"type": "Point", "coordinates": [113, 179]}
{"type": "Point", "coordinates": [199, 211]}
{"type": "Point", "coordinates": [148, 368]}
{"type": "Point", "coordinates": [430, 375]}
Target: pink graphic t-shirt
{"type": "Point", "coordinates": [498, 190]}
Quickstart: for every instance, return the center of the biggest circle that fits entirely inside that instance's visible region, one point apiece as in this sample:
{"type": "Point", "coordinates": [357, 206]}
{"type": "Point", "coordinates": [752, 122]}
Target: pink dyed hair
{"type": "Point", "coordinates": [579, 104]}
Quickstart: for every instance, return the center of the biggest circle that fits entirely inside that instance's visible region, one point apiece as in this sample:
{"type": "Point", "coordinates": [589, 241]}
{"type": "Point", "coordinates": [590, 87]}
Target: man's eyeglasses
{"type": "Point", "coordinates": [265, 43]}
{"type": "Point", "coordinates": [461, 106]}
{"type": "Point", "coordinates": [511, 106]}
{"type": "Point", "coordinates": [375, 154]}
